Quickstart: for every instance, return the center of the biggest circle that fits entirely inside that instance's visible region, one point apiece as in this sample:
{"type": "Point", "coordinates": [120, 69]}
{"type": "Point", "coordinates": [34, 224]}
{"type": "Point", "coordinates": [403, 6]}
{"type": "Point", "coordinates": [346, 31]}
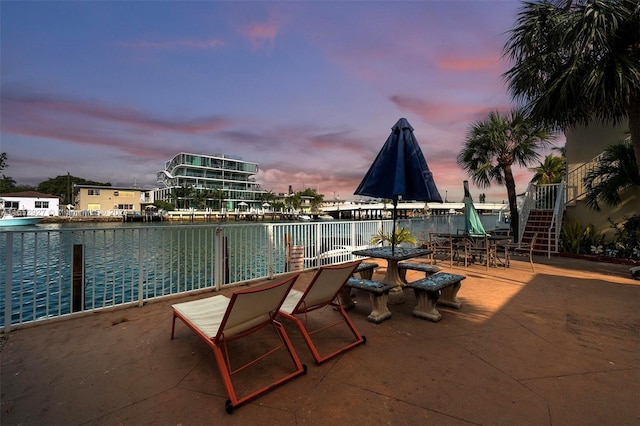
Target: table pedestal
{"type": "Point", "coordinates": [396, 295]}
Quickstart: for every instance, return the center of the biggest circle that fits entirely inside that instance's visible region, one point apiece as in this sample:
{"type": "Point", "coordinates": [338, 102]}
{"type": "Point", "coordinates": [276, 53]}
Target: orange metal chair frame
{"type": "Point", "coordinates": [322, 292]}
{"type": "Point", "coordinates": [239, 322]}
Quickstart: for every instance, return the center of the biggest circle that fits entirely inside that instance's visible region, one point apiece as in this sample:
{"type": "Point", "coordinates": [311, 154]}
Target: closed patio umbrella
{"type": "Point", "coordinates": [472, 223]}
{"type": "Point", "coordinates": [400, 171]}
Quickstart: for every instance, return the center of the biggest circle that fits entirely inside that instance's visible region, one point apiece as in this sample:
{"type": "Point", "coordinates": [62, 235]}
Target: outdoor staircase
{"type": "Point", "coordinates": [539, 221]}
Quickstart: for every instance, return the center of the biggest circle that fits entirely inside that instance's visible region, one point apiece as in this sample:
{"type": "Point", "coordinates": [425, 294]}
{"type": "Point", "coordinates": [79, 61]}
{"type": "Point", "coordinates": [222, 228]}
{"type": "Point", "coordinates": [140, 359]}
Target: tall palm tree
{"type": "Point", "coordinates": [497, 143]}
{"type": "Point", "coordinates": [218, 196]}
{"type": "Point", "coordinates": [552, 170]}
{"type": "Point", "coordinates": [182, 196]}
{"type": "Point", "coordinates": [615, 172]}
{"type": "Point", "coordinates": [577, 62]}
{"type": "Point", "coordinates": [268, 197]}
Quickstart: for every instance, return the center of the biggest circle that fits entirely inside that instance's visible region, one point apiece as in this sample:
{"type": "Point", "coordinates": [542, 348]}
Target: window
{"type": "Point", "coordinates": [124, 207]}
{"type": "Point", "coordinates": [93, 192]}
{"type": "Point", "coordinates": [12, 205]}
{"type": "Point", "coordinates": [115, 193]}
{"type": "Point", "coordinates": [42, 204]}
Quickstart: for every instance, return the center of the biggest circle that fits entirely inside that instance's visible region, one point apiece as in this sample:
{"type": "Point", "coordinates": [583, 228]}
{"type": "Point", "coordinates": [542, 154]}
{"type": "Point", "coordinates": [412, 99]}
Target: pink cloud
{"type": "Point", "coordinates": [261, 34]}
{"type": "Point", "coordinates": [175, 44]}
{"type": "Point", "coordinates": [443, 112]}
{"type": "Point", "coordinates": [87, 123]}
{"type": "Point", "coordinates": [489, 63]}
{"type": "Point", "coordinates": [48, 108]}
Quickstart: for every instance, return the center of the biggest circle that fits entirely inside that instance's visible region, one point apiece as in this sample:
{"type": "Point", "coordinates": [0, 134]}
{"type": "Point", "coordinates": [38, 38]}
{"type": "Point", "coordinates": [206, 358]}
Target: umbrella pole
{"type": "Point", "coordinates": [393, 232]}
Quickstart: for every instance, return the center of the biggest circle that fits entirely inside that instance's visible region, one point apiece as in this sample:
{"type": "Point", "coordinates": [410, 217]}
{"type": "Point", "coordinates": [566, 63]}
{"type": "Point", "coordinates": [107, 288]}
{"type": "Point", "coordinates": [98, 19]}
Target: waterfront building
{"type": "Point", "coordinates": [110, 200]}
{"type": "Point", "coordinates": [30, 203]}
{"type": "Point", "coordinates": [214, 182]}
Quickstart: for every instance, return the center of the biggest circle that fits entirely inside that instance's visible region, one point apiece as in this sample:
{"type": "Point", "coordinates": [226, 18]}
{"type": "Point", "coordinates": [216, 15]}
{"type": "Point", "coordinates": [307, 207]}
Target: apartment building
{"type": "Point", "coordinates": [209, 181]}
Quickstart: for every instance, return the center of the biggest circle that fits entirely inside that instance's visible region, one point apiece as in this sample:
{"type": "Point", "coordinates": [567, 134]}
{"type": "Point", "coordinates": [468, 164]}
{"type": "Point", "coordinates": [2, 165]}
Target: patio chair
{"type": "Point", "coordinates": [322, 292]}
{"type": "Point", "coordinates": [469, 250]}
{"type": "Point", "coordinates": [525, 249]}
{"type": "Point", "coordinates": [219, 320]}
{"type": "Point", "coordinates": [441, 244]}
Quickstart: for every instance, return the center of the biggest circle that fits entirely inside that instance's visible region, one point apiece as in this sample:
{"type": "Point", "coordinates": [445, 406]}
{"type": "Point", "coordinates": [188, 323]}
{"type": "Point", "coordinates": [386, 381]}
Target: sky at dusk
{"type": "Point", "coordinates": [109, 91]}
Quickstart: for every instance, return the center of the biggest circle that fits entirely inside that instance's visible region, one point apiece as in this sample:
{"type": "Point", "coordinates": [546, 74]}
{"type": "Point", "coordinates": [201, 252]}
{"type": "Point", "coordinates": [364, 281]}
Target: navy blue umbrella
{"type": "Point", "coordinates": [400, 172]}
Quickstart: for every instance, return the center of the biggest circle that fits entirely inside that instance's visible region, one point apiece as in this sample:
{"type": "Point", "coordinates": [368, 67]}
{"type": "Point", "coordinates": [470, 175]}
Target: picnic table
{"type": "Point", "coordinates": [393, 256]}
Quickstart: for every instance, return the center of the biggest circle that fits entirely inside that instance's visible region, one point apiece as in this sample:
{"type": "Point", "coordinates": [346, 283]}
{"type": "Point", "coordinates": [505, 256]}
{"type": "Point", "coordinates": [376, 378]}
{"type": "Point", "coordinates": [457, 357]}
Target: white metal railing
{"type": "Point", "coordinates": [543, 197]}
{"type": "Point", "coordinates": [575, 179]}
{"type": "Point", "coordinates": [546, 196]}
{"type": "Point", "coordinates": [556, 221]}
{"type": "Point", "coordinates": [50, 273]}
{"type": "Point", "coordinates": [528, 203]}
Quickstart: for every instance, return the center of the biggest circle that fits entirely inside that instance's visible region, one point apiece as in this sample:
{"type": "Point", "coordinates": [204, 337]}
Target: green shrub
{"type": "Point", "coordinates": [571, 239]}
{"type": "Point", "coordinates": [588, 240]}
{"type": "Point", "coordinates": [402, 236]}
{"type": "Point", "coordinates": [626, 243]}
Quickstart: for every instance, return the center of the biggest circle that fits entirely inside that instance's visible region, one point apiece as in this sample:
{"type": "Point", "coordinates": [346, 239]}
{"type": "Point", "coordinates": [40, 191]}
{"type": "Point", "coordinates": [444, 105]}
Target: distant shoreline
{"type": "Point", "coordinates": [175, 217]}
{"type": "Point", "coordinates": [79, 219]}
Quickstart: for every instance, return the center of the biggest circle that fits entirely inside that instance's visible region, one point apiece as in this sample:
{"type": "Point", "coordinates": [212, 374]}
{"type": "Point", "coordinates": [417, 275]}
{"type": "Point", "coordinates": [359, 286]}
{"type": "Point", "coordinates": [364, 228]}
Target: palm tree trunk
{"type": "Point", "coordinates": [510, 184]}
{"type": "Point", "coordinates": [634, 126]}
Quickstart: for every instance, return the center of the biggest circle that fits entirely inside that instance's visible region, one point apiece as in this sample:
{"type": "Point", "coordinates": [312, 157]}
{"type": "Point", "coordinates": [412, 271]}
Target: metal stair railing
{"type": "Point", "coordinates": [556, 219]}
{"type": "Point", "coordinates": [527, 203]}
{"type": "Point", "coordinates": [575, 179]}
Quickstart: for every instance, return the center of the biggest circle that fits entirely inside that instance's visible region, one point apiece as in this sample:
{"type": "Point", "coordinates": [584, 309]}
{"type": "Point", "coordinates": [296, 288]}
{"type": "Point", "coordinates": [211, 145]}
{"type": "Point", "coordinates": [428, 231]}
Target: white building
{"type": "Point", "coordinates": [209, 182]}
{"type": "Point", "coordinates": [31, 203]}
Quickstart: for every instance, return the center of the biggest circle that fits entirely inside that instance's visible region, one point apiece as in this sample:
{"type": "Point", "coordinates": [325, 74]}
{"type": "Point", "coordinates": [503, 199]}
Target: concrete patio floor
{"type": "Point", "coordinates": [560, 346]}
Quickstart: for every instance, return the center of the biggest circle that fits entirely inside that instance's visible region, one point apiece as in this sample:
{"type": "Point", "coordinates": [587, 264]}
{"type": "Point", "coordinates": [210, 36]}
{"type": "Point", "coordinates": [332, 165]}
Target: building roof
{"type": "Point", "coordinates": [118, 188]}
{"type": "Point", "coordinates": [28, 194]}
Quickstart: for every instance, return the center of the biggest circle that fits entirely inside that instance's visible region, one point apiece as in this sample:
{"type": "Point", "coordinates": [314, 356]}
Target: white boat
{"type": "Point", "coordinates": [304, 217]}
{"type": "Point", "coordinates": [7, 219]}
{"type": "Point", "coordinates": [325, 217]}
{"type": "Point", "coordinates": [340, 251]}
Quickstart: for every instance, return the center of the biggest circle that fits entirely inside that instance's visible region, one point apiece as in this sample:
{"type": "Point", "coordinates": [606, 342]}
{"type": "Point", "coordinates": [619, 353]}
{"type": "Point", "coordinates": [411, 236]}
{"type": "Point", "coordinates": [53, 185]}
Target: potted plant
{"type": "Point", "coordinates": [402, 236]}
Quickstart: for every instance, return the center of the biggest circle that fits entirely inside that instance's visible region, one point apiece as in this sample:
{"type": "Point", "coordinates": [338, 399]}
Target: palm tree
{"type": "Point", "coordinates": [268, 197]}
{"type": "Point", "coordinates": [615, 172]}
{"type": "Point", "coordinates": [578, 62]}
{"type": "Point", "coordinates": [182, 196]}
{"type": "Point", "coordinates": [218, 195]}
{"type": "Point", "coordinates": [494, 145]}
{"type": "Point", "coordinates": [552, 170]}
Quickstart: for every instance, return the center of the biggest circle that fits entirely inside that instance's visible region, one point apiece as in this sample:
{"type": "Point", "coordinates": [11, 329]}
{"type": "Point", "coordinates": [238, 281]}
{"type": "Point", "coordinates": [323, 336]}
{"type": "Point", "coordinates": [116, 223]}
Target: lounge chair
{"type": "Point", "coordinates": [322, 292]}
{"type": "Point", "coordinates": [219, 320]}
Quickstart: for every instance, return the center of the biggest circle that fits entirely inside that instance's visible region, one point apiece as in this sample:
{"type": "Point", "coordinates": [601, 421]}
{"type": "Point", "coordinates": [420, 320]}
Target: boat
{"type": "Point", "coordinates": [304, 217]}
{"type": "Point", "coordinates": [7, 218]}
{"type": "Point", "coordinates": [339, 253]}
{"type": "Point", "coordinates": [325, 217]}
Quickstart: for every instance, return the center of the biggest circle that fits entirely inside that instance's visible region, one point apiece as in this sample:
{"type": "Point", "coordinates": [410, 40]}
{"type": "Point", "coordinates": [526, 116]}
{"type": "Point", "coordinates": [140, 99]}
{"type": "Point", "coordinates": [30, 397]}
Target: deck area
{"type": "Point", "coordinates": [557, 347]}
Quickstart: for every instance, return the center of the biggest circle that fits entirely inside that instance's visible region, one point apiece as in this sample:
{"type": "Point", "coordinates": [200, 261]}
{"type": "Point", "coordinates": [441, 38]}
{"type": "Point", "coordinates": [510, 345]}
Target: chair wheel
{"type": "Point", "coordinates": [364, 339]}
{"type": "Point", "coordinates": [228, 406]}
{"type": "Point", "coordinates": [304, 368]}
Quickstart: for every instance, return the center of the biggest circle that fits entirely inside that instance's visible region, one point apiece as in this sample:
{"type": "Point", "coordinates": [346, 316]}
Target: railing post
{"type": "Point", "coordinates": [270, 251]}
{"type": "Point", "coordinates": [77, 278]}
{"type": "Point", "coordinates": [8, 272]}
{"type": "Point", "coordinates": [141, 267]}
{"type": "Point", "coordinates": [219, 261]}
